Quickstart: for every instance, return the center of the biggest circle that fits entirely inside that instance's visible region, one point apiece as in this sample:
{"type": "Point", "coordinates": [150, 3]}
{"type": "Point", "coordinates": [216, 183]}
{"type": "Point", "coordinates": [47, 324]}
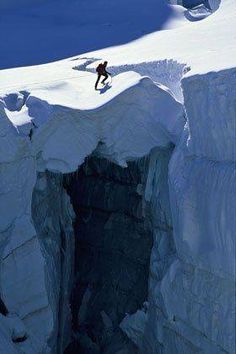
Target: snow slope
{"type": "Point", "coordinates": [208, 45]}
{"type": "Point", "coordinates": [191, 307]}
{"type": "Point", "coordinates": [42, 31]}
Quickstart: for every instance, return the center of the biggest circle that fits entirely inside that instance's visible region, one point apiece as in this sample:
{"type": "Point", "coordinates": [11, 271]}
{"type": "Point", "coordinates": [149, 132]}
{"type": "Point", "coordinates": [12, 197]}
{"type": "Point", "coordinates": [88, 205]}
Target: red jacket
{"type": "Point", "coordinates": [101, 69]}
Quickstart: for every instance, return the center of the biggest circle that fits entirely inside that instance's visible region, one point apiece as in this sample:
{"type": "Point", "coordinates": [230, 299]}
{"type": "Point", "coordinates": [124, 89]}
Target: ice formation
{"type": "Point", "coordinates": [141, 171]}
{"type": "Point", "coordinates": [62, 137]}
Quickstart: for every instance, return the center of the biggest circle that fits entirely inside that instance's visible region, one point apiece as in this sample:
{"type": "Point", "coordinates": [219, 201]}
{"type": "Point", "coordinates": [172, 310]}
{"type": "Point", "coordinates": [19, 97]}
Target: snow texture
{"type": "Point", "coordinates": [167, 72]}
{"type": "Point", "coordinates": [116, 127]}
{"type": "Point", "coordinates": [51, 119]}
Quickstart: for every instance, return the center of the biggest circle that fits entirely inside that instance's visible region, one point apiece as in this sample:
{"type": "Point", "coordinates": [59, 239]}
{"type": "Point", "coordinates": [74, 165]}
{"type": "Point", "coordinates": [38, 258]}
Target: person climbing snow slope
{"type": "Point", "coordinates": [101, 71]}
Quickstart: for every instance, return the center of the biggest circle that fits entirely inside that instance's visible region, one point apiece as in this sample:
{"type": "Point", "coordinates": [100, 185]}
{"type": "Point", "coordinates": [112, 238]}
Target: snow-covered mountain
{"type": "Point", "coordinates": [117, 206]}
{"type": "Point", "coordinates": [48, 30]}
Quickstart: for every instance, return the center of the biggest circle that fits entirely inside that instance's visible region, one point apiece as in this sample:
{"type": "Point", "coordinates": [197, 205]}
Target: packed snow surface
{"type": "Point", "coordinates": [208, 45]}
{"type": "Point", "coordinates": [55, 110]}
{"type": "Point", "coordinates": [170, 87]}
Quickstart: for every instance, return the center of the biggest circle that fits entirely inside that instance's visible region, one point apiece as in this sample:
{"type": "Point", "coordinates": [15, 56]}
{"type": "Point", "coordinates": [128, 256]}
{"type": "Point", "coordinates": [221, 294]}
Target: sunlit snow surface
{"type": "Point", "coordinates": [122, 122]}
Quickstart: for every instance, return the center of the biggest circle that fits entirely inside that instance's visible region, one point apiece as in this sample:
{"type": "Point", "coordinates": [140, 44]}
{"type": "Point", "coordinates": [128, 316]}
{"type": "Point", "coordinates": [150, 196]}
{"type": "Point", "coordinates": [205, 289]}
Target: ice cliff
{"type": "Point", "coordinates": [117, 207]}
{"type": "Point", "coordinates": [186, 216]}
{"type": "Point", "coordinates": [197, 290]}
{"type": "Point", "coordinates": [37, 238]}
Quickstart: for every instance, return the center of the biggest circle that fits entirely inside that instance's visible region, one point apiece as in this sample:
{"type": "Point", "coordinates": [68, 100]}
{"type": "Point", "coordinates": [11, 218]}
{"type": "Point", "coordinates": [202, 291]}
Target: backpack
{"type": "Point", "coordinates": [100, 69]}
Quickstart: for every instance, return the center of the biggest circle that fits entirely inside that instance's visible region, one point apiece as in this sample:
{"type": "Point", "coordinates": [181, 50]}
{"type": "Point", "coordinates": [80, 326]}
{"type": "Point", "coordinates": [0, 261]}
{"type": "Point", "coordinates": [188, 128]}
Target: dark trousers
{"type": "Point", "coordinates": [99, 77]}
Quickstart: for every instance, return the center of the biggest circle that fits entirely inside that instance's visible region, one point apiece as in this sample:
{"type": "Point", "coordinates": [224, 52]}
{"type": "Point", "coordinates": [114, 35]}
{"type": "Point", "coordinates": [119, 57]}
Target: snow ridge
{"type": "Point", "coordinates": [166, 72]}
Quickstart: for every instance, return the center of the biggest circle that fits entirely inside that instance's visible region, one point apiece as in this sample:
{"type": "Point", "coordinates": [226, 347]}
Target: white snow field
{"type": "Point", "coordinates": [173, 87]}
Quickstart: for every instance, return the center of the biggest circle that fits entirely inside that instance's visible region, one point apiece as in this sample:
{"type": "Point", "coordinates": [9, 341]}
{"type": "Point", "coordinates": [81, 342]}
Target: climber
{"type": "Point", "coordinates": [101, 71]}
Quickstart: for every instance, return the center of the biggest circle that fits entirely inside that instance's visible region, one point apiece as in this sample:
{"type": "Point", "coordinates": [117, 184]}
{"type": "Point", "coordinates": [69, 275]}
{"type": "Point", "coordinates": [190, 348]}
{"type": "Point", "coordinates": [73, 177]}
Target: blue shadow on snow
{"type": "Point", "coordinates": [56, 30]}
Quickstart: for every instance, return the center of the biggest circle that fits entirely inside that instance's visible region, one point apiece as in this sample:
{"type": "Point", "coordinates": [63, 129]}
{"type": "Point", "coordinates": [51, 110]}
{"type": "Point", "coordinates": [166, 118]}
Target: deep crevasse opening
{"type": "Point", "coordinates": [110, 203]}
{"type": "Point", "coordinates": [113, 242]}
{"type": "Point", "coordinates": [102, 270]}
{"type": "Point", "coordinates": [114, 238]}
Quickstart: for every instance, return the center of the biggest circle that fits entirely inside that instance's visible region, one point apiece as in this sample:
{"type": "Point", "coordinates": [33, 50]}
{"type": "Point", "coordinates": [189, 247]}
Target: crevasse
{"type": "Point", "coordinates": [186, 196]}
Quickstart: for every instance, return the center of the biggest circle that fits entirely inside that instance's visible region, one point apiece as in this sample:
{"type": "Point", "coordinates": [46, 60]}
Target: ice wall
{"type": "Point", "coordinates": [204, 208]}
{"type": "Point", "coordinates": [21, 286]}
{"type": "Point", "coordinates": [145, 327]}
{"type": "Point", "coordinates": [31, 265]}
{"type": "Point", "coordinates": [192, 307]}
{"type": "Point", "coordinates": [52, 215]}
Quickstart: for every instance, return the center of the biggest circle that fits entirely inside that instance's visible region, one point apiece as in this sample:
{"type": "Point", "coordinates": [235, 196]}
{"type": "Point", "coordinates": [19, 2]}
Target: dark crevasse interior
{"type": "Point", "coordinates": [3, 308]}
{"type": "Point", "coordinates": [113, 242]}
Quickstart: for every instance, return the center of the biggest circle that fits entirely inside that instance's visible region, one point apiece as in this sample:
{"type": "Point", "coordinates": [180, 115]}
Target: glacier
{"type": "Point", "coordinates": [98, 129]}
{"type": "Point", "coordinates": [117, 227]}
